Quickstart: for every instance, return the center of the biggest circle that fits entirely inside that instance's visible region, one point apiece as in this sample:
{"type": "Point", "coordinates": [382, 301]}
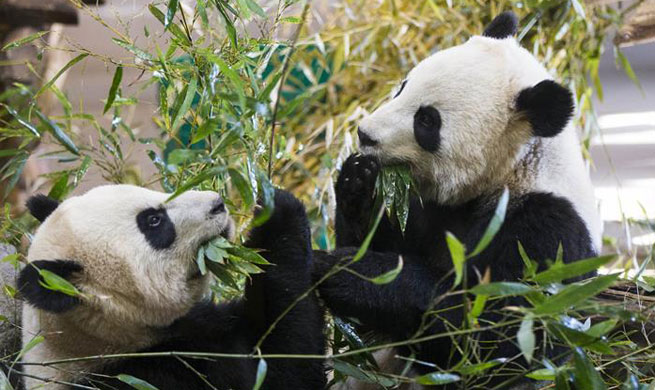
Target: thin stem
{"type": "Point", "coordinates": [285, 71]}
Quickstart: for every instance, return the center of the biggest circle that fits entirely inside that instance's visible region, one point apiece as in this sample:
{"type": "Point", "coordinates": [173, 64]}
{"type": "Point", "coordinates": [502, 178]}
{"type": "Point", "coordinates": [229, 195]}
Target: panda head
{"type": "Point", "coordinates": [464, 117]}
{"type": "Point", "coordinates": [129, 251]}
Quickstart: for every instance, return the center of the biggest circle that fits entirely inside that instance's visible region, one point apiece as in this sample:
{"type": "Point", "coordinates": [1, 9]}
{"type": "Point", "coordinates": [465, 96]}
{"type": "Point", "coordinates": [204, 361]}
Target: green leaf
{"type": "Point", "coordinates": [36, 340]}
{"type": "Point", "coordinates": [585, 374]}
{"type": "Point", "coordinates": [472, 369]}
{"type": "Point", "coordinates": [494, 225]}
{"type": "Point", "coordinates": [622, 60]}
{"type": "Point", "coordinates": [526, 339]}
{"type": "Point", "coordinates": [262, 368]}
{"type": "Point", "coordinates": [254, 7]}
{"type": "Point", "coordinates": [189, 93]}
{"type": "Point", "coordinates": [136, 383]}
{"type": "Point", "coordinates": [346, 369]}
{"type": "Point", "coordinates": [579, 9]}
{"type": "Point", "coordinates": [170, 13]}
{"type": "Point", "coordinates": [602, 328]}
{"type": "Point", "coordinates": [113, 90]}
{"type": "Point", "coordinates": [58, 133]}
{"type": "Point", "coordinates": [200, 260]}
{"type": "Point", "coordinates": [437, 378]}
{"type": "Point", "coordinates": [20, 42]}
{"type": "Point", "coordinates": [574, 294]}
{"type": "Point", "coordinates": [229, 26]}
{"type": "Point", "coordinates": [70, 63]}
{"type": "Point", "coordinates": [457, 256]}
{"type": "Point", "coordinates": [571, 270]}
{"type": "Point", "coordinates": [194, 181]}
{"type": "Point", "coordinates": [247, 254]}
{"type": "Point", "coordinates": [22, 121]}
{"type": "Point", "coordinates": [543, 374]}
{"type": "Point", "coordinates": [501, 289]}
{"type": "Point", "coordinates": [133, 49]}
{"type": "Point", "coordinates": [291, 19]}
{"type": "Point", "coordinates": [389, 276]}
{"type": "Point", "coordinates": [54, 282]}
{"type": "Point", "coordinates": [222, 274]}
{"type": "Point", "coordinates": [173, 28]}
{"type": "Point", "coordinates": [241, 184]}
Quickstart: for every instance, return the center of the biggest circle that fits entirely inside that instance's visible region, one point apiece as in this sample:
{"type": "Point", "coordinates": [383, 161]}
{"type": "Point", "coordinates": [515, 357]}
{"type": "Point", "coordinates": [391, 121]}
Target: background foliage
{"type": "Point", "coordinates": [253, 95]}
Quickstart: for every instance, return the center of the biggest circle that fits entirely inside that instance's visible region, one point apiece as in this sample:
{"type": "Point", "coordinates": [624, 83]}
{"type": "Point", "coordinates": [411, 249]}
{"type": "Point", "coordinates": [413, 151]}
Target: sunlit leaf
{"type": "Point", "coordinates": [575, 294]}
{"type": "Point", "coordinates": [457, 256]}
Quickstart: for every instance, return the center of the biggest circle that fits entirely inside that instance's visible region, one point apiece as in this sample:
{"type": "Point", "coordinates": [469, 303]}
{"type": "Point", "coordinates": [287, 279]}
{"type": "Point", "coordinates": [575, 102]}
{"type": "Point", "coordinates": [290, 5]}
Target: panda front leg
{"type": "Point", "coordinates": [285, 238]}
{"type": "Point", "coordinates": [355, 193]}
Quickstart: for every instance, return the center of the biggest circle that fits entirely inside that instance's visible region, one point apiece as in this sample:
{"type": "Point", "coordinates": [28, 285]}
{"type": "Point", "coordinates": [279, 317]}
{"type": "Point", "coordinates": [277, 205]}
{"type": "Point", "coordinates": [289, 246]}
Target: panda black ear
{"type": "Point", "coordinates": [41, 206]}
{"type": "Point", "coordinates": [548, 106]}
{"type": "Point", "coordinates": [503, 26]}
{"type": "Point", "coordinates": [31, 285]}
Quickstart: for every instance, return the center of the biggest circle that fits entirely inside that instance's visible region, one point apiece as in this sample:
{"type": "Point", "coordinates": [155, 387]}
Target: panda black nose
{"type": "Point", "coordinates": [364, 139]}
{"type": "Point", "coordinates": [218, 207]}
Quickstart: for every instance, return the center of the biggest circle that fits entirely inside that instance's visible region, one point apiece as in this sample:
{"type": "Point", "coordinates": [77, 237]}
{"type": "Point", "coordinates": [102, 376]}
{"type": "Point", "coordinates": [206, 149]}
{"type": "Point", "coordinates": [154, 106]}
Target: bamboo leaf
{"type": "Point", "coordinates": [437, 378]}
{"type": "Point", "coordinates": [4, 382]}
{"type": "Point", "coordinates": [262, 368]}
{"type": "Point", "coordinates": [585, 374]}
{"type": "Point", "coordinates": [571, 270]}
{"type": "Point", "coordinates": [58, 133]}
{"type": "Point", "coordinates": [389, 276]}
{"type": "Point", "coordinates": [170, 13]}
{"type": "Point", "coordinates": [136, 383]}
{"type": "Point", "coordinates": [70, 64]}
{"type": "Point", "coordinates": [113, 90]}
{"type": "Point", "coordinates": [456, 249]}
{"type": "Point", "coordinates": [189, 94]}
{"type": "Point", "coordinates": [22, 121]}
{"type": "Point", "coordinates": [494, 225]}
{"type": "Point", "coordinates": [574, 294]}
{"type": "Point", "coordinates": [54, 282]}
{"type": "Point", "coordinates": [501, 289]}
{"type": "Point", "coordinates": [526, 338]}
{"type": "Point", "coordinates": [23, 41]}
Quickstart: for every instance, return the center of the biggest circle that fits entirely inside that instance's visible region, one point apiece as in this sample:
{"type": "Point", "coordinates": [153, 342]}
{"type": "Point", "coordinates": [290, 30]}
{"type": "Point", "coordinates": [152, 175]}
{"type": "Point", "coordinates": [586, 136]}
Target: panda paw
{"type": "Point", "coordinates": [355, 187]}
{"type": "Point", "coordinates": [287, 227]}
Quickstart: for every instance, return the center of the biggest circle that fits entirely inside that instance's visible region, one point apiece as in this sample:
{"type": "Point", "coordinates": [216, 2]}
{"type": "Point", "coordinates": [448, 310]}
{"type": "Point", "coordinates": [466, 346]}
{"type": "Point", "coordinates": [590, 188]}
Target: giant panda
{"type": "Point", "coordinates": [131, 254]}
{"type": "Point", "coordinates": [468, 121]}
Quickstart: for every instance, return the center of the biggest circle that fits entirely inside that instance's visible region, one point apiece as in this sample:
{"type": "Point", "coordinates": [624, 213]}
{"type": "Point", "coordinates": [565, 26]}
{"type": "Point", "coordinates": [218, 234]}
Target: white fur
{"type": "Point", "coordinates": [485, 143]}
{"type": "Point", "coordinates": [129, 288]}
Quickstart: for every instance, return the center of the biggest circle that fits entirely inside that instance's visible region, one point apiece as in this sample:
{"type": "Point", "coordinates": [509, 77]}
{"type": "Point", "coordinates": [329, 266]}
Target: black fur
{"type": "Point", "coordinates": [365, 139]}
{"type": "Point", "coordinates": [159, 236]}
{"type": "Point", "coordinates": [236, 326]}
{"type": "Point", "coordinates": [548, 106]}
{"type": "Point", "coordinates": [503, 26]}
{"type": "Point", "coordinates": [30, 288]}
{"type": "Point", "coordinates": [540, 221]}
{"type": "Point", "coordinates": [41, 206]}
{"type": "Point", "coordinates": [427, 123]}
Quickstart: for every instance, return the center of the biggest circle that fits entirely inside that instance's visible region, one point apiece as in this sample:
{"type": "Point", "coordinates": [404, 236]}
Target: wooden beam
{"type": "Point", "coordinates": [638, 26]}
{"type": "Point", "coordinates": [16, 13]}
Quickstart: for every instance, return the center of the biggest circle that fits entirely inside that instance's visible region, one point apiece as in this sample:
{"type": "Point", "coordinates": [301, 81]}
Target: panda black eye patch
{"type": "Point", "coordinates": [157, 227]}
{"type": "Point", "coordinates": [427, 123]}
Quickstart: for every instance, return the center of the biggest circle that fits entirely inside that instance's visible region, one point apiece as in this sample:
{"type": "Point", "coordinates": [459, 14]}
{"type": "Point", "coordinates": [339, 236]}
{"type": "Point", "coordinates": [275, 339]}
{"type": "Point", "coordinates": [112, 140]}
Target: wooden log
{"type": "Point", "coordinates": [36, 12]}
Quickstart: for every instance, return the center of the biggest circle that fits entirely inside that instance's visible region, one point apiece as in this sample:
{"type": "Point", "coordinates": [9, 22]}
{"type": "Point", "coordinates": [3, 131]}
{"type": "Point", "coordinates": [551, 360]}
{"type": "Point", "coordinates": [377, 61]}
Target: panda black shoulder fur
{"type": "Point", "coordinates": [469, 121]}
{"type": "Point", "coordinates": [132, 255]}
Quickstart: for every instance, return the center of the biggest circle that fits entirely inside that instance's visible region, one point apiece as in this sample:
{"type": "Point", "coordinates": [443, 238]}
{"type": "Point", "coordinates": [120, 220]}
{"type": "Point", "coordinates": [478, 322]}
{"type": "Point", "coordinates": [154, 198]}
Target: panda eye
{"type": "Point", "coordinates": [154, 220]}
{"type": "Point", "coordinates": [400, 90]}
